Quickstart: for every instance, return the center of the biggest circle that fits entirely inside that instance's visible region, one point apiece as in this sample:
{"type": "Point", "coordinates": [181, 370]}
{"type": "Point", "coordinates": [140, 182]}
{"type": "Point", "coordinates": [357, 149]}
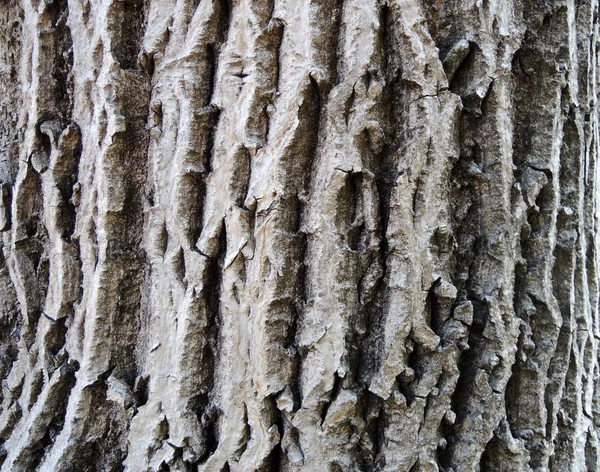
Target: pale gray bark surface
{"type": "Point", "coordinates": [283, 235]}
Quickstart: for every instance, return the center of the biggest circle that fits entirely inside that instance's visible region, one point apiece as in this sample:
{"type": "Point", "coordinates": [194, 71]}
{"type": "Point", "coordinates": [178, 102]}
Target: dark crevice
{"type": "Point", "coordinates": [470, 249]}
{"type": "Point", "coordinates": [225, 9]}
{"type": "Point", "coordinates": [405, 389]}
{"type": "Point", "coordinates": [337, 385]}
{"type": "Point", "coordinates": [273, 462]}
{"type": "Point", "coordinates": [379, 426]}
{"type": "Point", "coordinates": [208, 414]}
{"type": "Point", "coordinates": [56, 336]}
{"type": "Point", "coordinates": [210, 422]}
{"type": "Point", "coordinates": [240, 176]}
{"type": "Point", "coordinates": [337, 31]}
{"type": "Point", "coordinates": [349, 209]}
{"type": "Point", "coordinates": [300, 164]}
{"type": "Point", "coordinates": [208, 150]}
{"type": "Point", "coordinates": [211, 71]}
{"type": "Point", "coordinates": [468, 66]}
{"type": "Point", "coordinates": [192, 197]}
{"type": "Point", "coordinates": [59, 46]}
{"type": "Point", "coordinates": [131, 15]}
{"type": "Point", "coordinates": [384, 166]}
{"type": "Point", "coordinates": [290, 344]}
{"type": "Point", "coordinates": [348, 106]}
{"type": "Point", "coordinates": [384, 32]}
{"type": "Point", "coordinates": [246, 435]}
{"type": "Point", "coordinates": [280, 30]}
{"type": "Point", "coordinates": [123, 259]}
{"type": "Point", "coordinates": [141, 390]}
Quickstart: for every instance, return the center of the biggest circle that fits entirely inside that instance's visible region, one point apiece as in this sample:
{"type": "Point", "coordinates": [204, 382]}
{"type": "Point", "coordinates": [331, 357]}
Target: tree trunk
{"type": "Point", "coordinates": [283, 235]}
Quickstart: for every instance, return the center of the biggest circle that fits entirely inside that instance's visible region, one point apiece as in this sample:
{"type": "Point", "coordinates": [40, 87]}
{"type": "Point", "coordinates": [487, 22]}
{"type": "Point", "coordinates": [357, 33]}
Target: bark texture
{"type": "Point", "coordinates": [283, 235]}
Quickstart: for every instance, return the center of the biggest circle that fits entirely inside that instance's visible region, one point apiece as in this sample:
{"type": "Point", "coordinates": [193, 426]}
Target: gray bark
{"type": "Point", "coordinates": [283, 235]}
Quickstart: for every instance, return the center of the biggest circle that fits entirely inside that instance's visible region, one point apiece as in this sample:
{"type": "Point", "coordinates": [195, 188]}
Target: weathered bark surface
{"type": "Point", "coordinates": [344, 235]}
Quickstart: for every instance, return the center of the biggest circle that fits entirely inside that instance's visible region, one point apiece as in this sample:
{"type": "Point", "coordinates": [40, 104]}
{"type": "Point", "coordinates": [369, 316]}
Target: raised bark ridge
{"type": "Point", "coordinates": [345, 235]}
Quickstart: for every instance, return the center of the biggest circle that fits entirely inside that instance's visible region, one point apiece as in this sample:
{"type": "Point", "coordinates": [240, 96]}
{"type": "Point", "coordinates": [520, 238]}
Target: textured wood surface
{"type": "Point", "coordinates": [283, 235]}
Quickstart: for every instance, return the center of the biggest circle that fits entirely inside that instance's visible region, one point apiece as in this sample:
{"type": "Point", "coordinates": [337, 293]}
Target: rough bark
{"type": "Point", "coordinates": [274, 235]}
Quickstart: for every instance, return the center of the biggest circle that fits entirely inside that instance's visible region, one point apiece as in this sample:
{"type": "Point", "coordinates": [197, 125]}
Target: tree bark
{"type": "Point", "coordinates": [283, 235]}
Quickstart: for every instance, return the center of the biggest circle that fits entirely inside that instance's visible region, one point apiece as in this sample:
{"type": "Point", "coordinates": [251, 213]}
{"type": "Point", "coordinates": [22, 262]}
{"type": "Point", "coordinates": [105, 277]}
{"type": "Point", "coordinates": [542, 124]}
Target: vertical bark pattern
{"type": "Point", "coordinates": [283, 235]}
